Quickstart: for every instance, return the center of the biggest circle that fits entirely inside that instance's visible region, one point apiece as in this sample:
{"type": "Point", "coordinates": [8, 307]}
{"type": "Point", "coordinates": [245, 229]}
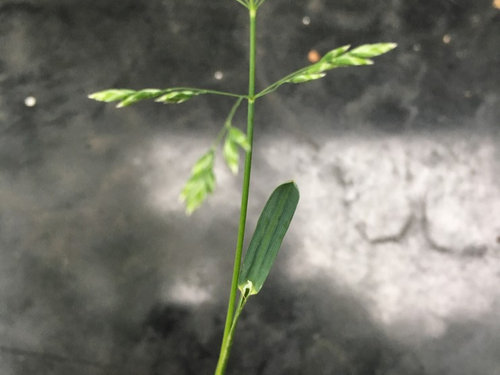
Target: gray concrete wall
{"type": "Point", "coordinates": [391, 265]}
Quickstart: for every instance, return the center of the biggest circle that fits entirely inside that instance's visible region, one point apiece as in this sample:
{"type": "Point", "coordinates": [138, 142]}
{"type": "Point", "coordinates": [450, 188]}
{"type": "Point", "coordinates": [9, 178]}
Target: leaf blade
{"type": "Point", "coordinates": [271, 228]}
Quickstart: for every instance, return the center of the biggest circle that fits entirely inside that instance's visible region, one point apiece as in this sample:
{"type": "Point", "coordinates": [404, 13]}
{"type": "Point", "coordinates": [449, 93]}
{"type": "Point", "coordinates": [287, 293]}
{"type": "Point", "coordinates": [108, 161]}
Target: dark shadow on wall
{"type": "Point", "coordinates": [284, 331]}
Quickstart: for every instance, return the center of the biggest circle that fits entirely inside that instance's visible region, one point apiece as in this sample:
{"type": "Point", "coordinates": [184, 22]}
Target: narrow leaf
{"type": "Point", "coordinates": [372, 50]}
{"type": "Point", "coordinates": [267, 238]}
{"type": "Point", "coordinates": [111, 95]}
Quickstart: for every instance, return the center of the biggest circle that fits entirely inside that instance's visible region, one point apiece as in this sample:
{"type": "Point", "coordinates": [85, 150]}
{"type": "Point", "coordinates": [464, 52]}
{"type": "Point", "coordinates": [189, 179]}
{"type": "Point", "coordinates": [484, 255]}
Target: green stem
{"type": "Point", "coordinates": [282, 81]}
{"type": "Point", "coordinates": [230, 336]}
{"type": "Point", "coordinates": [204, 91]}
{"type": "Point", "coordinates": [231, 317]}
{"type": "Point", "coordinates": [227, 124]}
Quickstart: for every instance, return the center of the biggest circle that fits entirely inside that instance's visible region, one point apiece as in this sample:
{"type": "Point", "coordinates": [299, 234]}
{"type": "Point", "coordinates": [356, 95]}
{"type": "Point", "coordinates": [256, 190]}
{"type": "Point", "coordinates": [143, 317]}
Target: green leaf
{"type": "Point", "coordinates": [231, 155]}
{"type": "Point", "coordinates": [138, 96]}
{"type": "Point", "coordinates": [240, 138]}
{"type": "Point", "coordinates": [372, 50]}
{"type": "Point", "coordinates": [111, 95]}
{"type": "Point", "coordinates": [267, 238]}
{"type": "Point", "coordinates": [177, 97]}
{"type": "Point", "coordinates": [200, 184]}
{"type": "Point", "coordinates": [305, 77]}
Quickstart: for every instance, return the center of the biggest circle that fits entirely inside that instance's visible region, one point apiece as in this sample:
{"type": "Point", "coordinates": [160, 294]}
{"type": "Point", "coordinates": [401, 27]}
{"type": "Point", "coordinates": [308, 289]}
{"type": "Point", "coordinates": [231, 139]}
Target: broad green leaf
{"type": "Point", "coordinates": [240, 138]}
{"type": "Point", "coordinates": [177, 97]}
{"type": "Point", "coordinates": [138, 96]}
{"type": "Point", "coordinates": [200, 184]}
{"type": "Point", "coordinates": [372, 50]}
{"type": "Point", "coordinates": [305, 77]}
{"type": "Point", "coordinates": [267, 238]}
{"type": "Point", "coordinates": [231, 155]}
{"type": "Point", "coordinates": [111, 95]}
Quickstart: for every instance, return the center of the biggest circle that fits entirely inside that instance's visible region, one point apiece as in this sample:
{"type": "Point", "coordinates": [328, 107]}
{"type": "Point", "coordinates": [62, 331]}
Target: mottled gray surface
{"type": "Point", "coordinates": [392, 263]}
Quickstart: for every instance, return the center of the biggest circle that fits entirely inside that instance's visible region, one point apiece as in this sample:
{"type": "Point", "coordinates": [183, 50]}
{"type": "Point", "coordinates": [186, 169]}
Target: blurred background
{"type": "Point", "coordinates": [392, 263]}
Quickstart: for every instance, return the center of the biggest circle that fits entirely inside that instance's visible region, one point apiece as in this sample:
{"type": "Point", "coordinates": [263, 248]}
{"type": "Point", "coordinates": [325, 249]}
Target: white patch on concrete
{"type": "Point", "coordinates": [187, 293]}
{"type": "Point", "coordinates": [361, 220]}
{"type": "Point", "coordinates": [407, 225]}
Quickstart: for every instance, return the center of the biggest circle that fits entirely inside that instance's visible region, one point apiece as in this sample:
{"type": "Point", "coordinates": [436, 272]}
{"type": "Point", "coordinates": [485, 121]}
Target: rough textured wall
{"type": "Point", "coordinates": [392, 262]}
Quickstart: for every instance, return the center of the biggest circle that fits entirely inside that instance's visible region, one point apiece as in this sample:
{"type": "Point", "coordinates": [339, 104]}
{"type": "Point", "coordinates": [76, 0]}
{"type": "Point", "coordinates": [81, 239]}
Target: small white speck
{"type": "Point", "coordinates": [446, 39]}
{"type": "Point", "coordinates": [306, 20]}
{"type": "Point", "coordinates": [30, 101]}
{"type": "Point", "coordinates": [218, 75]}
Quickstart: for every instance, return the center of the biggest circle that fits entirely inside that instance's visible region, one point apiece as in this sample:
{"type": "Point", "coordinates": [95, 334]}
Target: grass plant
{"type": "Point", "coordinates": [247, 277]}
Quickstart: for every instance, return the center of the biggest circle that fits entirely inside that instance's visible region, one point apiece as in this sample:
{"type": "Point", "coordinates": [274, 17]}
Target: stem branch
{"type": "Point", "coordinates": [205, 91]}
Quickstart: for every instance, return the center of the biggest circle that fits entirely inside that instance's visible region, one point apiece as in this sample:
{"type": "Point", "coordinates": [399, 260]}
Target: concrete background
{"type": "Point", "coordinates": [392, 263]}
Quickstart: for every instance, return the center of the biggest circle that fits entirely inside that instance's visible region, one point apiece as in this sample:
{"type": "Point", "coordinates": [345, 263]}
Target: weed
{"type": "Point", "coordinates": [279, 209]}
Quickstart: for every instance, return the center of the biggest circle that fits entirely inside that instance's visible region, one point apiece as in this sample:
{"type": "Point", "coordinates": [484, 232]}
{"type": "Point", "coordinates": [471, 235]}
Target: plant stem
{"type": "Point", "coordinates": [227, 124]}
{"type": "Point", "coordinates": [231, 317]}
{"type": "Point", "coordinates": [201, 91]}
{"type": "Point", "coordinates": [221, 366]}
{"type": "Point", "coordinates": [216, 92]}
